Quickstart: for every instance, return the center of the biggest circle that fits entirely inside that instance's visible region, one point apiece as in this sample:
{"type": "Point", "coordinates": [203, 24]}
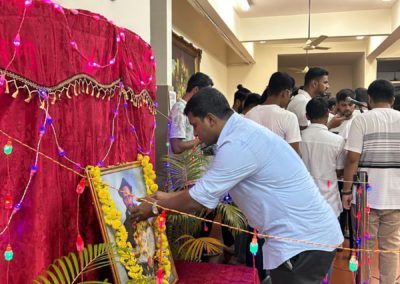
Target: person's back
{"type": "Point", "coordinates": [276, 194]}
{"type": "Point", "coordinates": [319, 143]}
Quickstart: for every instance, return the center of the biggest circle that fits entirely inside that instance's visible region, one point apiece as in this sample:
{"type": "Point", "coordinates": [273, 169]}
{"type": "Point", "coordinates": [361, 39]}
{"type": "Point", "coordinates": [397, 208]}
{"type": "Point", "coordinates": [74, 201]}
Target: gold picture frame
{"type": "Point", "coordinates": [185, 62]}
{"type": "Point", "coordinates": [121, 178]}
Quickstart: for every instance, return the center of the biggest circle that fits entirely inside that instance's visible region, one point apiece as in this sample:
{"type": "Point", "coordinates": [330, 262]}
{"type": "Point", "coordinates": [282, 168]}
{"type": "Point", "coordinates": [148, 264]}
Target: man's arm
{"type": "Point", "coordinates": [296, 147]}
{"type": "Point", "coordinates": [350, 168]}
{"type": "Point", "coordinates": [179, 146]}
{"type": "Point", "coordinates": [180, 201]}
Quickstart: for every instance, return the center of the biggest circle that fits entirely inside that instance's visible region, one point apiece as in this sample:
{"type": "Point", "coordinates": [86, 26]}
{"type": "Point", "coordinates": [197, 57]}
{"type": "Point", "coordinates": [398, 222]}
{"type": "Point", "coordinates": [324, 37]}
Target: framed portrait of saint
{"type": "Point", "coordinates": [185, 62]}
{"type": "Point", "coordinates": [124, 183]}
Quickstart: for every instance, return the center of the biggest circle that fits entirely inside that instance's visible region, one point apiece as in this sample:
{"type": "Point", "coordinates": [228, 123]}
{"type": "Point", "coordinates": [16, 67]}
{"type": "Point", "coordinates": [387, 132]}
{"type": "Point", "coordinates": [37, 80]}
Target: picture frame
{"type": "Point", "coordinates": [125, 181]}
{"type": "Point", "coordinates": [185, 62]}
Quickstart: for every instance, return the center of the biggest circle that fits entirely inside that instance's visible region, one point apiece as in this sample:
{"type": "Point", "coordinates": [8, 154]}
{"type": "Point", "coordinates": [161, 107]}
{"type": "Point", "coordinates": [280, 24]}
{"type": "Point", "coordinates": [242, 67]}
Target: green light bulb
{"type": "Point", "coordinates": [8, 149]}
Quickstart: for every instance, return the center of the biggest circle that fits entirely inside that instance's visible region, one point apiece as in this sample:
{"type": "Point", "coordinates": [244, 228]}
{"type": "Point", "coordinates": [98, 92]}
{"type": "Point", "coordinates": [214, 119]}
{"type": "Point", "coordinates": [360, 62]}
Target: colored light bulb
{"type": "Point", "coordinates": [358, 215]}
{"type": "Point", "coordinates": [328, 183]}
{"type": "Point", "coordinates": [130, 65]}
{"type": "Point", "coordinates": [368, 187]}
{"type": "Point", "coordinates": [353, 264]}
{"type": "Point", "coordinates": [16, 207]}
{"type": "Point", "coordinates": [81, 186]}
{"type": "Point", "coordinates": [43, 94]}
{"type": "Point", "coordinates": [8, 148]}
{"type": "Point", "coordinates": [34, 169]}
{"type": "Point", "coordinates": [2, 79]}
{"type": "Point", "coordinates": [17, 41]}
{"type": "Point", "coordinates": [367, 210]}
{"type": "Point", "coordinates": [125, 105]}
{"type": "Point", "coordinates": [49, 120]}
{"type": "Point", "coordinates": [152, 57]}
{"type": "Point", "coordinates": [167, 144]}
{"type": "Point", "coordinates": [112, 61]}
{"type": "Point", "coordinates": [8, 203]}
{"type": "Point", "coordinates": [160, 276]}
{"type": "Point", "coordinates": [133, 129]}
{"type": "Point", "coordinates": [367, 236]}
{"type": "Point", "coordinates": [359, 190]}
{"type": "Point", "coordinates": [100, 163]}
{"type": "Point", "coordinates": [61, 152]}
{"type": "Point", "coordinates": [28, 2]}
{"type": "Point", "coordinates": [73, 44]}
{"type": "Point", "coordinates": [79, 243]}
{"type": "Point", "coordinates": [42, 130]}
{"type": "Point", "coordinates": [8, 254]}
{"type": "Point", "coordinates": [254, 246]}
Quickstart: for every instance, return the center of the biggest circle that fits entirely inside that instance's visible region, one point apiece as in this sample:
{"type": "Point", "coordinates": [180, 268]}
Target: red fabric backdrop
{"type": "Point", "coordinates": [45, 226]}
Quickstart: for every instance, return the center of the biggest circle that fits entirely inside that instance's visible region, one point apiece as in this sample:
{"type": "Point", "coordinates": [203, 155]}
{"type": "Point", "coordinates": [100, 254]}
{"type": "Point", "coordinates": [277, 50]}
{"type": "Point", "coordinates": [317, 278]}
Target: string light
{"type": "Point", "coordinates": [254, 244]}
{"type": "Point", "coordinates": [8, 148]}
{"type": "Point", "coordinates": [8, 254]}
{"type": "Point", "coordinates": [81, 186]}
{"type": "Point", "coordinates": [8, 203]}
{"type": "Point", "coordinates": [17, 41]}
{"type": "Point", "coordinates": [79, 243]}
{"type": "Point", "coordinates": [353, 263]}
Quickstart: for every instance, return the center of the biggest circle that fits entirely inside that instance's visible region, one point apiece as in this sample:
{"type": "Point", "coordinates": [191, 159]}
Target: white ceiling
{"type": "Point", "coordinates": [266, 8]}
{"type": "Point", "coordinates": [318, 59]}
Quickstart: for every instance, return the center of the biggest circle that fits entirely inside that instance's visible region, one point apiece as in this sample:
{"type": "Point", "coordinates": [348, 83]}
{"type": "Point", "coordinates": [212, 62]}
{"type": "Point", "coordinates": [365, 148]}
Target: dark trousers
{"type": "Point", "coordinates": [308, 267]}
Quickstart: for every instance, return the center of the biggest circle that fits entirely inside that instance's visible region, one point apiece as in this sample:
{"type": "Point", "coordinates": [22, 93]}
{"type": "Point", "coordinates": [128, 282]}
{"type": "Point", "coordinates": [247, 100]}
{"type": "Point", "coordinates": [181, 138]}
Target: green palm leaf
{"type": "Point", "coordinates": [193, 248]}
{"type": "Point", "coordinates": [69, 269]}
{"type": "Point", "coordinates": [232, 216]}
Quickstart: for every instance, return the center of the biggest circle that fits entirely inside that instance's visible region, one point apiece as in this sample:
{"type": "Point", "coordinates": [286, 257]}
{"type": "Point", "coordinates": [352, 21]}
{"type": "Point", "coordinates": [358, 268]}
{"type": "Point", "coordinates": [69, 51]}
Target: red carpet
{"type": "Point", "coordinates": [205, 273]}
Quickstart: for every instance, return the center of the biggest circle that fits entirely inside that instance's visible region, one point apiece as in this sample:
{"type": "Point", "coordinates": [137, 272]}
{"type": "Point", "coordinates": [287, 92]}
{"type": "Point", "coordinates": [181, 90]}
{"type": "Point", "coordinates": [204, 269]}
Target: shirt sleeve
{"type": "Point", "coordinates": [232, 164]}
{"type": "Point", "coordinates": [341, 156]}
{"type": "Point", "coordinates": [292, 134]}
{"type": "Point", "coordinates": [355, 138]}
{"type": "Point", "coordinates": [177, 128]}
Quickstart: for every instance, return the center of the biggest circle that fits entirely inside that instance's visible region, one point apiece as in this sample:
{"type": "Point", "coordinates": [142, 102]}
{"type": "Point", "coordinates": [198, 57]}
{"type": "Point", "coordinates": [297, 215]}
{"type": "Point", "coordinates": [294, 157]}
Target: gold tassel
{"type": "Point", "coordinates": [53, 101]}
{"type": "Point", "coordinates": [67, 94]}
{"type": "Point", "coordinates": [15, 94]}
{"type": "Point", "coordinates": [29, 98]}
{"type": "Point", "coordinates": [7, 91]}
{"type": "Point", "coordinates": [75, 90]}
{"type": "Point", "coordinates": [87, 89]}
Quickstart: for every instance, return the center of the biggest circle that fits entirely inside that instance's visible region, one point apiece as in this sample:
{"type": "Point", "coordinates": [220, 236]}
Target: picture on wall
{"type": "Point", "coordinates": [185, 62]}
{"type": "Point", "coordinates": [124, 183]}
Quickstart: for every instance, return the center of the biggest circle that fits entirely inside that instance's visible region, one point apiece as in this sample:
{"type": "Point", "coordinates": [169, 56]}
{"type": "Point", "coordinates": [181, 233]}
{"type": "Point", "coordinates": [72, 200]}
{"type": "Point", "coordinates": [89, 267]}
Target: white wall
{"type": "Point", "coordinates": [195, 29]}
{"type": "Point", "coordinates": [130, 14]}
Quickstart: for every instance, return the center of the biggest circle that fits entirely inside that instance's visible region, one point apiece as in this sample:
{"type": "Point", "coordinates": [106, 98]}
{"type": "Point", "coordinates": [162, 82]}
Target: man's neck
{"type": "Point", "coordinates": [319, 121]}
{"type": "Point", "coordinates": [309, 91]}
{"type": "Point", "coordinates": [381, 105]}
{"type": "Point", "coordinates": [272, 100]}
{"type": "Point", "coordinates": [187, 96]}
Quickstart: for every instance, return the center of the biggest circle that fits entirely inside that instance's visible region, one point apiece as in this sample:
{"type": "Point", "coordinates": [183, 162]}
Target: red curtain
{"type": "Point", "coordinates": [45, 226]}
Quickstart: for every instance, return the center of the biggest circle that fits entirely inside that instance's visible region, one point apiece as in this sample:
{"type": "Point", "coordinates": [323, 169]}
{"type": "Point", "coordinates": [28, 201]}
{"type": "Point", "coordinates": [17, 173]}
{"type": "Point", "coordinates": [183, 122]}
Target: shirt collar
{"type": "Point", "coordinates": [182, 100]}
{"type": "Point", "coordinates": [229, 125]}
{"type": "Point", "coordinates": [318, 125]}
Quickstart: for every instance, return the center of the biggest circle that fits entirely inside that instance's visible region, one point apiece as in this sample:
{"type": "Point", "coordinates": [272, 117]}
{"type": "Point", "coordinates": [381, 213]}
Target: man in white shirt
{"type": "Point", "coordinates": [318, 144]}
{"type": "Point", "coordinates": [269, 183]}
{"type": "Point", "coordinates": [340, 123]}
{"type": "Point", "coordinates": [315, 84]}
{"type": "Point", "coordinates": [272, 113]}
{"type": "Point", "coordinates": [180, 132]}
{"type": "Point", "coordinates": [373, 146]}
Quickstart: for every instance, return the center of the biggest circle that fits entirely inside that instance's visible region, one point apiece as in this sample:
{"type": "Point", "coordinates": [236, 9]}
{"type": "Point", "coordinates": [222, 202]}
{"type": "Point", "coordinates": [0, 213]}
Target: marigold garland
{"type": "Point", "coordinates": [112, 218]}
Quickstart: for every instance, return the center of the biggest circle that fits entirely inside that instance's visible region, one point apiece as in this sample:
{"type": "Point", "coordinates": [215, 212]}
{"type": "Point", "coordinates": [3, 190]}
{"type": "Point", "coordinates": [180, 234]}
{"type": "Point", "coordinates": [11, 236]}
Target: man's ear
{"type": "Point", "coordinates": [195, 90]}
{"type": "Point", "coordinates": [211, 119]}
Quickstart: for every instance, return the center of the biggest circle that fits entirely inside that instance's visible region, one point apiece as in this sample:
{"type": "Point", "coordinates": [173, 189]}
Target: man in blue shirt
{"type": "Point", "coordinates": [269, 183]}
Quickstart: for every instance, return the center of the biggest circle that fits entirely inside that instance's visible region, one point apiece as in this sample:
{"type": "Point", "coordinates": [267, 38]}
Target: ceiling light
{"type": "Point", "coordinates": [359, 37]}
{"type": "Point", "coordinates": [386, 0]}
{"type": "Point", "coordinates": [243, 5]}
{"type": "Point", "coordinates": [263, 41]}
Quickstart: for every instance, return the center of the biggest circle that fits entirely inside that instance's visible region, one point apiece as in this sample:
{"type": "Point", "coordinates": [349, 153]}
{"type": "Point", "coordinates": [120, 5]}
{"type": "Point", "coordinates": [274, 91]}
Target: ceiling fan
{"type": "Point", "coordinates": [313, 44]}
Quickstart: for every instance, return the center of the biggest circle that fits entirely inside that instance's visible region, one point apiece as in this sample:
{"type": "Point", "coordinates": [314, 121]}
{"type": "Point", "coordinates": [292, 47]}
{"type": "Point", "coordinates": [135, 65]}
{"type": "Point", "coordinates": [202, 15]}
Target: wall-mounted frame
{"type": "Point", "coordinates": [185, 62]}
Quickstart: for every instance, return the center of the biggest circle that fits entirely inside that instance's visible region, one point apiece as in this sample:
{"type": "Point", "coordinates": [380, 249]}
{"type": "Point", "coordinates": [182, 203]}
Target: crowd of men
{"type": "Point", "coordinates": [281, 157]}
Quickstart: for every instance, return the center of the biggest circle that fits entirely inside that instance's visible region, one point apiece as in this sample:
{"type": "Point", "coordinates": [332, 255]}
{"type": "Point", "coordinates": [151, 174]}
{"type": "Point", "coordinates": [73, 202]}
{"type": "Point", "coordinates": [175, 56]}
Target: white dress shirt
{"type": "Point", "coordinates": [270, 184]}
{"type": "Point", "coordinates": [323, 153]}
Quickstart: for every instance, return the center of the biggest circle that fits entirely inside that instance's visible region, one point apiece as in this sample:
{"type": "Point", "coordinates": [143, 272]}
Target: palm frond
{"type": "Point", "coordinates": [184, 169]}
{"type": "Point", "coordinates": [232, 216]}
{"type": "Point", "coordinates": [68, 269]}
{"type": "Point", "coordinates": [193, 248]}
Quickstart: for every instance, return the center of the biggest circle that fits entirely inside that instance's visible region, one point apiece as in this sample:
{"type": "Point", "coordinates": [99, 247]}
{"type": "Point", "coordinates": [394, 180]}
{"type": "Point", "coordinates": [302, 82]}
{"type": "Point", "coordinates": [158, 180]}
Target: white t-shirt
{"type": "Point", "coordinates": [179, 126]}
{"type": "Point", "coordinates": [298, 106]}
{"type": "Point", "coordinates": [278, 120]}
{"type": "Point", "coordinates": [323, 153]}
{"type": "Point", "coordinates": [376, 136]}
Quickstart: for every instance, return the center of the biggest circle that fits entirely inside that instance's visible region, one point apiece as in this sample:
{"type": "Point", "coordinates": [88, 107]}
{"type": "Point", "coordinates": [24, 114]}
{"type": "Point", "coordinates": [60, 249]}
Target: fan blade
{"type": "Point", "coordinates": [321, 47]}
{"type": "Point", "coordinates": [318, 40]}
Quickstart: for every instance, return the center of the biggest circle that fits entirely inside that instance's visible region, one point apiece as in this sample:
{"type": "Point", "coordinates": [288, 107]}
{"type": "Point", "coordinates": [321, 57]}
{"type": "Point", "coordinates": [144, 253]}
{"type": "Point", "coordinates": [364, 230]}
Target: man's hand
{"type": "Point", "coordinates": [336, 121]}
{"type": "Point", "coordinates": [346, 201]}
{"type": "Point", "coordinates": [143, 211]}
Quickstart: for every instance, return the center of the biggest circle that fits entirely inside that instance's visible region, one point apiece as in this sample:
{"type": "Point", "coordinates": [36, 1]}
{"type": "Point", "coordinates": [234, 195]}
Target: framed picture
{"type": "Point", "coordinates": [124, 182]}
{"type": "Point", "coordinates": [185, 62]}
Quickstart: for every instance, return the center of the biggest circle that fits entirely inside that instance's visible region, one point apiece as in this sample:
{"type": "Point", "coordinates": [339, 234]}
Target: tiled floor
{"type": "Point", "coordinates": [342, 275]}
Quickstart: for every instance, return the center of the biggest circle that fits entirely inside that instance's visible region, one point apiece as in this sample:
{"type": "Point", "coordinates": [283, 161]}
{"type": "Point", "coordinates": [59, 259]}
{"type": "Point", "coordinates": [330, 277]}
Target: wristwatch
{"type": "Point", "coordinates": [154, 208]}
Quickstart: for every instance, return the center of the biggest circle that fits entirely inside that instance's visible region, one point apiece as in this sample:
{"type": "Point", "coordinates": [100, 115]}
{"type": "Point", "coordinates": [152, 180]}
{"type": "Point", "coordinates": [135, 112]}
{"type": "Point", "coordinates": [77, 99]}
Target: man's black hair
{"type": "Point", "coordinates": [252, 99]}
{"type": "Point", "coordinates": [314, 73]}
{"type": "Point", "coordinates": [199, 80]}
{"type": "Point", "coordinates": [208, 100]}
{"type": "Point", "coordinates": [343, 94]}
{"type": "Point", "coordinates": [361, 95]}
{"type": "Point", "coordinates": [317, 108]}
{"type": "Point", "coordinates": [381, 91]}
{"type": "Point", "coordinates": [331, 102]}
{"type": "Point", "coordinates": [124, 182]}
{"type": "Point", "coordinates": [278, 82]}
